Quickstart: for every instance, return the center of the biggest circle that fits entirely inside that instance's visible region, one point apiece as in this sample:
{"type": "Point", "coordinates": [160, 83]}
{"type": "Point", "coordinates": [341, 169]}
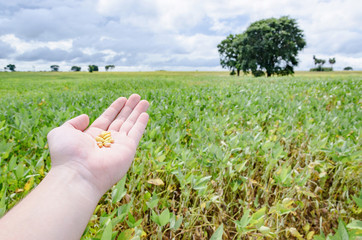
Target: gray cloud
{"type": "Point", "coordinates": [49, 24]}
{"type": "Point", "coordinates": [351, 46]}
{"type": "Point", "coordinates": [58, 55]}
{"type": "Point", "coordinates": [47, 54]}
{"type": "Point", "coordinates": [5, 50]}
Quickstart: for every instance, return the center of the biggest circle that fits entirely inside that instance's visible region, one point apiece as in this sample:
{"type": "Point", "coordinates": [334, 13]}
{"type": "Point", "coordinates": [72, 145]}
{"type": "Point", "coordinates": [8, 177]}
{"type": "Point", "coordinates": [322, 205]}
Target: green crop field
{"type": "Point", "coordinates": [232, 157]}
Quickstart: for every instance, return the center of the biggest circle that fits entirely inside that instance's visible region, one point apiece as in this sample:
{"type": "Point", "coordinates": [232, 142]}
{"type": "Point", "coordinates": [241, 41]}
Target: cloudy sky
{"type": "Point", "coordinates": [165, 34]}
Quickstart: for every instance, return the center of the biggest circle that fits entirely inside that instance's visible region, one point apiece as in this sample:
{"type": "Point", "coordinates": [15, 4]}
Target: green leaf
{"type": "Point", "coordinates": [107, 232]}
{"type": "Point", "coordinates": [295, 233]}
{"type": "Point", "coordinates": [244, 221]}
{"type": "Point", "coordinates": [131, 222]}
{"type": "Point", "coordinates": [3, 202]}
{"type": "Point", "coordinates": [139, 221]}
{"type": "Point", "coordinates": [164, 218]}
{"type": "Point", "coordinates": [19, 172]}
{"type": "Point", "coordinates": [342, 231]}
{"type": "Point", "coordinates": [12, 163]}
{"type": "Point", "coordinates": [358, 201]}
{"type": "Point", "coordinates": [152, 202]}
{"type": "Point", "coordinates": [264, 229]}
{"type": "Point", "coordinates": [218, 233]}
{"type": "Point", "coordinates": [257, 216]}
{"type": "Point", "coordinates": [119, 191]}
{"type": "Point", "coordinates": [5, 148]}
{"type": "Point", "coordinates": [124, 209]}
{"type": "Point", "coordinates": [118, 219]}
{"type": "Point", "coordinates": [177, 223]}
{"type": "Point", "coordinates": [356, 224]}
{"type": "Point", "coordinates": [126, 235]}
{"type": "Point", "coordinates": [319, 237]}
{"type": "Point", "coordinates": [155, 218]}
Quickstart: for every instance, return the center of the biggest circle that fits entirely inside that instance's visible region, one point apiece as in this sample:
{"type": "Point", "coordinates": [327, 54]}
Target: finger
{"type": "Point", "coordinates": [139, 127]}
{"type": "Point", "coordinates": [110, 114]}
{"type": "Point", "coordinates": [80, 123]}
{"type": "Point", "coordinates": [126, 111]}
{"type": "Point", "coordinates": [131, 120]}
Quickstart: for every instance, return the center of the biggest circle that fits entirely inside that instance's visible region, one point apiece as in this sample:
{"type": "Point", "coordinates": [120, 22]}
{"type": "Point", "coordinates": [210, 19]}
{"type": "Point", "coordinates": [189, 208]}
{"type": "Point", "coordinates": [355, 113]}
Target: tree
{"type": "Point", "coordinates": [230, 54]}
{"type": "Point", "coordinates": [348, 68]}
{"type": "Point", "coordinates": [332, 61]}
{"type": "Point", "coordinates": [319, 65]}
{"type": "Point", "coordinates": [269, 45]}
{"type": "Point", "coordinates": [75, 69]}
{"type": "Point", "coordinates": [11, 67]}
{"type": "Point", "coordinates": [109, 67]}
{"type": "Point", "coordinates": [319, 62]}
{"type": "Point", "coordinates": [272, 45]}
{"type": "Point", "coordinates": [54, 68]}
{"type": "Point", "coordinates": [93, 68]}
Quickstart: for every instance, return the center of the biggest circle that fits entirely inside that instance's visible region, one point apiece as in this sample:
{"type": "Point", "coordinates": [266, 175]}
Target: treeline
{"type": "Point", "coordinates": [318, 62]}
{"type": "Point", "coordinates": [319, 65]}
{"type": "Point", "coordinates": [91, 68]}
{"type": "Point", "coordinates": [55, 68]}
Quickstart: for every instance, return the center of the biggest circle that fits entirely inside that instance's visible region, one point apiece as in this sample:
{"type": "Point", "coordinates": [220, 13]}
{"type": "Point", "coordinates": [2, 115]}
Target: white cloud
{"type": "Point", "coordinates": [22, 46]}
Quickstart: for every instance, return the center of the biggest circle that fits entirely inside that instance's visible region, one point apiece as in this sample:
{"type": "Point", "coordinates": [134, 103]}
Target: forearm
{"type": "Point", "coordinates": [59, 208]}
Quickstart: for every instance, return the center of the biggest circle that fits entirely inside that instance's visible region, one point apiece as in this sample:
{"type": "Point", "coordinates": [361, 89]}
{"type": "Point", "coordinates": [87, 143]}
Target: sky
{"type": "Point", "coordinates": [145, 35]}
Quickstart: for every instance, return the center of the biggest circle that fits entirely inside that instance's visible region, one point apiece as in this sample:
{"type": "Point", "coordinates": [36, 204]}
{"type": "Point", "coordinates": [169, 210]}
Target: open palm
{"type": "Point", "coordinates": [72, 145]}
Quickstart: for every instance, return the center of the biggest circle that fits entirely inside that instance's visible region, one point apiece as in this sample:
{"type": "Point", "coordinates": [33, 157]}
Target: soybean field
{"type": "Point", "coordinates": [223, 157]}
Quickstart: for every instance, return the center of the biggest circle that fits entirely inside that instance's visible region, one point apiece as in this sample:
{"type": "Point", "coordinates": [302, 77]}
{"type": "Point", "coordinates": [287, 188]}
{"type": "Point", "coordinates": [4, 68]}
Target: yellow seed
{"type": "Point", "coordinates": [106, 135]}
{"type": "Point", "coordinates": [107, 144]}
{"type": "Point", "coordinates": [107, 138]}
{"type": "Point", "coordinates": [100, 145]}
{"type": "Point", "coordinates": [103, 133]}
{"type": "Point", "coordinates": [99, 139]}
{"type": "Point", "coordinates": [112, 140]}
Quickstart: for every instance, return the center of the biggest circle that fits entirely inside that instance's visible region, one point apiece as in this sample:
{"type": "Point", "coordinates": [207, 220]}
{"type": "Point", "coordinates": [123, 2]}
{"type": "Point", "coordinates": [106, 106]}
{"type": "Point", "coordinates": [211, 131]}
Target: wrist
{"type": "Point", "coordinates": [76, 182]}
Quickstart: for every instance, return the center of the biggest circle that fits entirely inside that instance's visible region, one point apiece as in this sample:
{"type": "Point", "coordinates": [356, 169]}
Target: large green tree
{"type": "Point", "coordinates": [269, 45]}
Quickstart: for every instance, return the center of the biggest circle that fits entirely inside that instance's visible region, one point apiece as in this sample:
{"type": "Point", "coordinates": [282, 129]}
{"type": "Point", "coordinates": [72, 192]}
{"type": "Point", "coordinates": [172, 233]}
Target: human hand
{"type": "Point", "coordinates": [73, 147]}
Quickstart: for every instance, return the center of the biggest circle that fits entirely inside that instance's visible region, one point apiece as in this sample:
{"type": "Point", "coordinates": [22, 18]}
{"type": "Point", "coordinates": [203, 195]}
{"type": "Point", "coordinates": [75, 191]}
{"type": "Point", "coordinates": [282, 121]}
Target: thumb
{"type": "Point", "coordinates": [80, 123]}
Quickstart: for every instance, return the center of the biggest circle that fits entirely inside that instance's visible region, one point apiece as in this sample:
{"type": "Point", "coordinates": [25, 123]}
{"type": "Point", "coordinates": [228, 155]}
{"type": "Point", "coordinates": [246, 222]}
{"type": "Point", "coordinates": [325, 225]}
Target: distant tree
{"type": "Point", "coordinates": [332, 61]}
{"type": "Point", "coordinates": [75, 69]}
{"type": "Point", "coordinates": [318, 62]}
{"type": "Point", "coordinates": [93, 68]}
{"type": "Point", "coordinates": [11, 67]}
{"type": "Point", "coordinates": [230, 54]}
{"type": "Point", "coordinates": [319, 65]}
{"type": "Point", "coordinates": [348, 68]}
{"type": "Point", "coordinates": [269, 45]}
{"type": "Point", "coordinates": [54, 68]}
{"type": "Point", "coordinates": [107, 67]}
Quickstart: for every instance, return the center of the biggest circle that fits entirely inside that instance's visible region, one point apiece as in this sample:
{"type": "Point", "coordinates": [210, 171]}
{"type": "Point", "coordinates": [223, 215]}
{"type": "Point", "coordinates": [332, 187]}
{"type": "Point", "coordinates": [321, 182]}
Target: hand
{"type": "Point", "coordinates": [74, 147]}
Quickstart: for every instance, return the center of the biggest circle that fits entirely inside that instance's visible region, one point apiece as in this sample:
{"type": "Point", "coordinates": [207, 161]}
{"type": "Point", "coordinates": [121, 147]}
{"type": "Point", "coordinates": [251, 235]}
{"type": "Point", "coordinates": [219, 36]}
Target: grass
{"type": "Point", "coordinates": [249, 157]}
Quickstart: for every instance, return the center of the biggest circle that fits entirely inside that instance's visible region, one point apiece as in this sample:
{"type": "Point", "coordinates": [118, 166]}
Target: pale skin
{"type": "Point", "coordinates": [62, 204]}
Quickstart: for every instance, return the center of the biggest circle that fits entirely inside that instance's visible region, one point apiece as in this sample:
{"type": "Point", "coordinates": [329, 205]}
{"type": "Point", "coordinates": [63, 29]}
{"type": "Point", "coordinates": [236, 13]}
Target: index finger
{"type": "Point", "coordinates": [107, 117]}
